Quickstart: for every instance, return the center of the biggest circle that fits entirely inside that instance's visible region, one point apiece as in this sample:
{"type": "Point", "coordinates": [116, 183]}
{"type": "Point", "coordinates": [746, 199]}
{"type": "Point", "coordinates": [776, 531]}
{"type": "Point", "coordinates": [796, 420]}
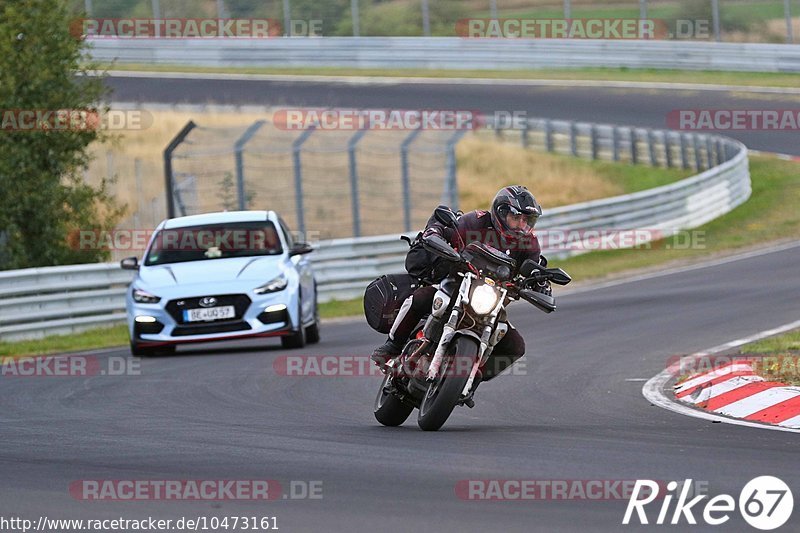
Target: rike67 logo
{"type": "Point", "coordinates": [765, 503]}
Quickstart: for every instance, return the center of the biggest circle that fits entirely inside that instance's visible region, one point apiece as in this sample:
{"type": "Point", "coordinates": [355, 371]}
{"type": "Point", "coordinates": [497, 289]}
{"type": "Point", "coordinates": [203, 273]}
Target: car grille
{"type": "Point", "coordinates": [240, 302]}
{"type": "Point", "coordinates": [204, 328]}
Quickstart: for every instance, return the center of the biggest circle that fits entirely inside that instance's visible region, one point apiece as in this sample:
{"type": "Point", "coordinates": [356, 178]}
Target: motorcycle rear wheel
{"type": "Point", "coordinates": [389, 409]}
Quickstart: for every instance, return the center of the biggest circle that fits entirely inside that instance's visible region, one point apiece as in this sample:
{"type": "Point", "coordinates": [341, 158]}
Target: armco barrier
{"type": "Point", "coordinates": [40, 301]}
{"type": "Point", "coordinates": [450, 53]}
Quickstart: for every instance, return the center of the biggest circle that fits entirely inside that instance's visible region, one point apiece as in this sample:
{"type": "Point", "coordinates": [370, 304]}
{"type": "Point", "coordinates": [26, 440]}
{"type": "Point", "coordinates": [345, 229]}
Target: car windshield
{"type": "Point", "coordinates": [213, 241]}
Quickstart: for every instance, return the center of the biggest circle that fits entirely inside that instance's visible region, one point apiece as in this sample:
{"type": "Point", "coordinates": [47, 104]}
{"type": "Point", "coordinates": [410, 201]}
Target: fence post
{"type": "Point", "coordinates": [684, 152]}
{"type": "Point", "coordinates": [110, 165]}
{"type": "Point", "coordinates": [298, 178]}
{"type": "Point", "coordinates": [548, 134]}
{"type": "Point", "coordinates": [354, 14]}
{"type": "Point", "coordinates": [452, 180]}
{"type": "Point", "coordinates": [168, 177]}
{"type": "Point", "coordinates": [715, 18]}
{"type": "Point", "coordinates": [593, 134]}
{"type": "Point", "coordinates": [524, 135]}
{"type": "Point", "coordinates": [406, 179]}
{"type": "Point", "coordinates": [615, 142]}
{"type": "Point", "coordinates": [355, 206]}
{"type": "Point", "coordinates": [787, 12]}
{"type": "Point", "coordinates": [287, 18]}
{"type": "Point", "coordinates": [239, 151]}
{"type": "Point", "coordinates": [573, 138]}
{"type": "Point", "coordinates": [634, 148]}
{"type": "Point", "coordinates": [156, 14]}
{"type": "Point", "coordinates": [698, 160]}
{"type": "Point", "coordinates": [720, 155]}
{"type": "Point", "coordinates": [426, 19]}
{"type": "Point", "coordinates": [709, 151]}
{"type": "Point", "coordinates": [651, 148]}
{"type": "Point", "coordinates": [668, 149]}
{"type": "Point", "coordinates": [567, 9]}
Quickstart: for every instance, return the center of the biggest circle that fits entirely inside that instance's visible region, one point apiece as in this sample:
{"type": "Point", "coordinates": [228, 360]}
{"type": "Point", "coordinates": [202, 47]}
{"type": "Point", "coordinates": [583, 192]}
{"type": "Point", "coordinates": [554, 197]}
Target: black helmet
{"type": "Point", "coordinates": [515, 200]}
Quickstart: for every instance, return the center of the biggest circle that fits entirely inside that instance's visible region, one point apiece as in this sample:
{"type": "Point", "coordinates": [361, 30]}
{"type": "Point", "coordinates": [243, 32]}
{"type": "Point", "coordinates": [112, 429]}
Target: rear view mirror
{"type": "Point", "coordinates": [559, 277]}
{"type": "Point", "coordinates": [527, 268]}
{"type": "Point", "coordinates": [437, 245]}
{"type": "Point", "coordinates": [445, 216]}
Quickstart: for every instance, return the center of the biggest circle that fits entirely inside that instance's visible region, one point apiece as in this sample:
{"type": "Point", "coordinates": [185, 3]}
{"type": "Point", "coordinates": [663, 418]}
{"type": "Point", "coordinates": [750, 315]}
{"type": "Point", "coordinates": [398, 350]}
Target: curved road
{"type": "Point", "coordinates": [575, 411]}
{"type": "Point", "coordinates": [633, 107]}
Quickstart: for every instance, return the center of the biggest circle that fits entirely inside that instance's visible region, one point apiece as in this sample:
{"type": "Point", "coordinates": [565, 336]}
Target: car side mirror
{"type": "Point", "coordinates": [301, 248]}
{"type": "Point", "coordinates": [129, 263]}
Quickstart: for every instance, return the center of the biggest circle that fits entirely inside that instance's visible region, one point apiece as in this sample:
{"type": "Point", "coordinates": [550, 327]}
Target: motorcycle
{"type": "Point", "coordinates": [438, 366]}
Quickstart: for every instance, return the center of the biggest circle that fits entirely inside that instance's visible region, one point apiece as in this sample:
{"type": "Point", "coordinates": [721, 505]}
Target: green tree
{"type": "Point", "coordinates": [44, 199]}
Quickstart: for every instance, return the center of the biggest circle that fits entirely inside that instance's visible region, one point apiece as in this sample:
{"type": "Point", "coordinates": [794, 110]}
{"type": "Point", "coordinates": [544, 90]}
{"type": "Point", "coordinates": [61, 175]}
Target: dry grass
{"type": "Point", "coordinates": [770, 31]}
{"type": "Point", "coordinates": [484, 166]}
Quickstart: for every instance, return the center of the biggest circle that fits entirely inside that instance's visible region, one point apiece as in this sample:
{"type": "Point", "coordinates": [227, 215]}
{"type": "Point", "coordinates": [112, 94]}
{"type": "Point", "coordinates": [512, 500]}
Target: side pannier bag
{"type": "Point", "coordinates": [383, 298]}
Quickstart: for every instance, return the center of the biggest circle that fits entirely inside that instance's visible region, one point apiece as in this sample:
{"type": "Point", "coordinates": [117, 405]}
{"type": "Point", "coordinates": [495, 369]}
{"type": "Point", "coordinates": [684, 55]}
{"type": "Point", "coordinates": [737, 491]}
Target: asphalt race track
{"type": "Point", "coordinates": [631, 107]}
{"type": "Point", "coordinates": [574, 411]}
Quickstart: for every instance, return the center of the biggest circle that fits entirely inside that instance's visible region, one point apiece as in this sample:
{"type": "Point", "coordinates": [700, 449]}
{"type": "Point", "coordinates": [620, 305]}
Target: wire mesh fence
{"type": "Point", "coordinates": [325, 183]}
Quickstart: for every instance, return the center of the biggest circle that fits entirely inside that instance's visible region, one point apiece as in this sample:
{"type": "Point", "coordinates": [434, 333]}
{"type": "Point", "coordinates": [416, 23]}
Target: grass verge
{"type": "Point", "coordinates": [749, 79]}
{"type": "Point", "coordinates": [781, 357]}
{"type": "Point", "coordinates": [87, 340]}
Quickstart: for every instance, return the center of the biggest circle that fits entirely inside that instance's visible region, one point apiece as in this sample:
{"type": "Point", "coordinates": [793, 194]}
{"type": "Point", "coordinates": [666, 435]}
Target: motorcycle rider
{"type": "Point", "coordinates": [507, 226]}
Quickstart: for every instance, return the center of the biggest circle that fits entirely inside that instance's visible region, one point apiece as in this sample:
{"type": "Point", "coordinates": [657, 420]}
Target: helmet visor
{"type": "Point", "coordinates": [521, 222]}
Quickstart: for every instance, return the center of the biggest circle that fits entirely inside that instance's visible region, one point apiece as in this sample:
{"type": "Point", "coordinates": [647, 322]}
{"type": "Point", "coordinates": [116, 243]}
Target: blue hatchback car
{"type": "Point", "coordinates": [221, 276]}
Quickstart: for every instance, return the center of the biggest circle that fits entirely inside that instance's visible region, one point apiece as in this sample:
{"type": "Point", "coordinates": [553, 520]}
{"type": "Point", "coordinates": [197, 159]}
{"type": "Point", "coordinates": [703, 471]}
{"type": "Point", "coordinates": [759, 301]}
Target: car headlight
{"type": "Point", "coordinates": [144, 297]}
{"type": "Point", "coordinates": [483, 300]}
{"type": "Point", "coordinates": [277, 284]}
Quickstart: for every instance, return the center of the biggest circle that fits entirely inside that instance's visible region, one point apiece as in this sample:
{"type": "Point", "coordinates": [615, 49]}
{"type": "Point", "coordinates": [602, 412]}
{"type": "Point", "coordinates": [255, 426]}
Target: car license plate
{"type": "Point", "coordinates": [208, 313]}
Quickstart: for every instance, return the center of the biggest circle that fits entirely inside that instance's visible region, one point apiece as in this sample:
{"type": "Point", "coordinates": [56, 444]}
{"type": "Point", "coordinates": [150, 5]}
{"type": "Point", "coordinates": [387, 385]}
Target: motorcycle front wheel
{"type": "Point", "coordinates": [444, 393]}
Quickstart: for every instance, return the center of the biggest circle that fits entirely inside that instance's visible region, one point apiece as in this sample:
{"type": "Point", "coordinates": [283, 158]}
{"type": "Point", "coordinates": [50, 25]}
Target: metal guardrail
{"type": "Point", "coordinates": [35, 302]}
{"type": "Point", "coordinates": [450, 53]}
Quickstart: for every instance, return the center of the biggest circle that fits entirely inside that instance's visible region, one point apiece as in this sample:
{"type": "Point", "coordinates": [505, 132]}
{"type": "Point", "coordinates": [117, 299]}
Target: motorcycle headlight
{"type": "Point", "coordinates": [144, 297]}
{"type": "Point", "coordinates": [483, 300]}
{"type": "Point", "coordinates": [277, 284]}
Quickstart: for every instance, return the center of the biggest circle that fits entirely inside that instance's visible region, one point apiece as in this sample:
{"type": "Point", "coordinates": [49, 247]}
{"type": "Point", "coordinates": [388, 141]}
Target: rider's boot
{"type": "Point", "coordinates": [386, 351]}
